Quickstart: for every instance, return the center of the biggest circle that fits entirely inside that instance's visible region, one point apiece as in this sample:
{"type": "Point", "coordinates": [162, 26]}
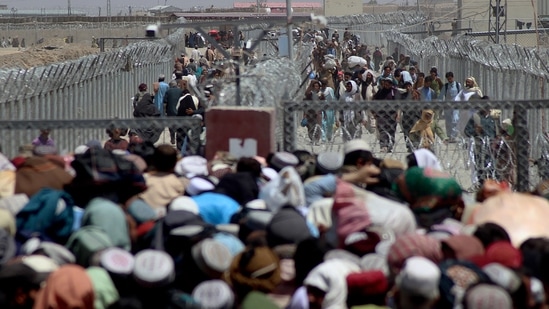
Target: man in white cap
{"type": "Point", "coordinates": [357, 153]}
{"type": "Point", "coordinates": [417, 284]}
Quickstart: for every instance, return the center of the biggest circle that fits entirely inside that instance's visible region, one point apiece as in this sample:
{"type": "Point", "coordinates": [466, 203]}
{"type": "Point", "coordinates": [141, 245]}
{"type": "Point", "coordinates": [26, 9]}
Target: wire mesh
{"type": "Point", "coordinates": [69, 134]}
{"type": "Point", "coordinates": [477, 152]}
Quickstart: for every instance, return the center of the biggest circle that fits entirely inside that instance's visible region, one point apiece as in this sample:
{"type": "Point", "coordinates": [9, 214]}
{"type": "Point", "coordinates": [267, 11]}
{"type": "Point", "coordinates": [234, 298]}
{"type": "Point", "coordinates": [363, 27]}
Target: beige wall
{"type": "Point", "coordinates": [343, 7]}
{"type": "Point", "coordinates": [379, 9]}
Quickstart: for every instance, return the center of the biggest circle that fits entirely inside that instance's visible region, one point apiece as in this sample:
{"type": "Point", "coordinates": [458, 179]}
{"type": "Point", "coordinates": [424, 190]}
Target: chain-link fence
{"type": "Point", "coordinates": [69, 134]}
{"type": "Point", "coordinates": [94, 87]}
{"type": "Point", "coordinates": [504, 71]}
{"type": "Point", "coordinates": [483, 145]}
{"type": "Point", "coordinates": [371, 28]}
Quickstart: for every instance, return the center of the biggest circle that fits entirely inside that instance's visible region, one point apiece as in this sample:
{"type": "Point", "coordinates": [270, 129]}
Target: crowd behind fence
{"type": "Point", "coordinates": [504, 72]}
{"type": "Point", "coordinates": [503, 156]}
{"type": "Point", "coordinates": [101, 86]}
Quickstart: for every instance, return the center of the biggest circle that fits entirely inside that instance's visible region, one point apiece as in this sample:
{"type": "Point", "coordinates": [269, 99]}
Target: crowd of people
{"type": "Point", "coordinates": [147, 227]}
{"type": "Point", "coordinates": [345, 71]}
{"type": "Point", "coordinates": [187, 92]}
{"type": "Point", "coordinates": [131, 223]}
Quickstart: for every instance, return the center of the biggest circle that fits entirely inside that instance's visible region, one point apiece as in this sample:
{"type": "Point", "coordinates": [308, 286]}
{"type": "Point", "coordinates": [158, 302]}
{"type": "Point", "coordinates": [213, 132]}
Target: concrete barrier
{"type": "Point", "coordinates": [242, 131]}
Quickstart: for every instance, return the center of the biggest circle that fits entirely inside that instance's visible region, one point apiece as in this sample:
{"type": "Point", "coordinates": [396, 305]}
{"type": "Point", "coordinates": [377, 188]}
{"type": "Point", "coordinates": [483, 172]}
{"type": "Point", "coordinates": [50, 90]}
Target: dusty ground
{"type": "Point", "coordinates": [50, 51]}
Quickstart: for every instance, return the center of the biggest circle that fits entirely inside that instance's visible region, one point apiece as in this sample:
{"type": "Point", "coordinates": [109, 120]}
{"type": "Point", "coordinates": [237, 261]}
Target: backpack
{"type": "Point", "coordinates": [446, 88]}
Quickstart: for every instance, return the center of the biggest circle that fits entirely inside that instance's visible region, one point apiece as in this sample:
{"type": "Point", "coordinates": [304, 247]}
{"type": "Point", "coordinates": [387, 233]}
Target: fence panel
{"type": "Point", "coordinates": [485, 146]}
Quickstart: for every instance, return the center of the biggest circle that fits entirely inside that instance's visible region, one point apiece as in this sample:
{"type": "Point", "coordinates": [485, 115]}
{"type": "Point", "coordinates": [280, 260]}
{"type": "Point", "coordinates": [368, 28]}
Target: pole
{"type": "Point", "coordinates": [289, 30]}
{"type": "Point", "coordinates": [237, 57]}
{"type": "Point", "coordinates": [497, 20]}
{"type": "Point", "coordinates": [459, 24]}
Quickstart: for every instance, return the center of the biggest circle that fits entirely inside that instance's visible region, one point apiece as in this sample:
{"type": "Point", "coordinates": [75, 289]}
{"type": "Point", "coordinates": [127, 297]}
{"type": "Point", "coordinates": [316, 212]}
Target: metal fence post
{"type": "Point", "coordinates": [289, 142]}
{"type": "Point", "coordinates": [522, 148]}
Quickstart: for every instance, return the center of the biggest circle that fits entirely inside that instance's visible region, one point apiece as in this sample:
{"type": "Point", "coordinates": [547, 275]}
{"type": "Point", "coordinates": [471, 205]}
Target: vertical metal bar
{"type": "Point", "coordinates": [289, 30]}
{"type": "Point", "coordinates": [522, 141]}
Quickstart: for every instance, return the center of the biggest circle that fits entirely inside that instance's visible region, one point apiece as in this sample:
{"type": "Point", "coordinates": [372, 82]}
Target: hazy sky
{"type": "Point", "coordinates": [122, 5]}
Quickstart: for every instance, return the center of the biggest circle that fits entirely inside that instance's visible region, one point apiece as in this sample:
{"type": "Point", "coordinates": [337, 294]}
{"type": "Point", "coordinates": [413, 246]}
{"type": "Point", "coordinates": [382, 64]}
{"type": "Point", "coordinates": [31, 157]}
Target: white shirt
{"type": "Point", "coordinates": [195, 54]}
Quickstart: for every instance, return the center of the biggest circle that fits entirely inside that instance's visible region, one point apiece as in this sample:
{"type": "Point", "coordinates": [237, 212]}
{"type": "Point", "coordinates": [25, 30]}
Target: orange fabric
{"type": "Point", "coordinates": [37, 173]}
{"type": "Point", "coordinates": [69, 287]}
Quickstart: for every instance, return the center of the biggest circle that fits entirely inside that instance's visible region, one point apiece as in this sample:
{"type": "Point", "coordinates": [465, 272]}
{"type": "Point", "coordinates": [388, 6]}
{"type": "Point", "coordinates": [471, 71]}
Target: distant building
{"type": "Point", "coordinates": [280, 7]}
{"type": "Point", "coordinates": [13, 12]}
{"type": "Point", "coordinates": [163, 10]}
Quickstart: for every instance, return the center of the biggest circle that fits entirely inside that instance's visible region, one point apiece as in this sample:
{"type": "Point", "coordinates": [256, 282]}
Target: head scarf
{"type": "Point", "coordinates": [474, 90]}
{"type": "Point", "coordinates": [433, 195]}
{"type": "Point", "coordinates": [365, 75]}
{"type": "Point", "coordinates": [69, 287]}
{"type": "Point", "coordinates": [423, 126]}
{"type": "Point", "coordinates": [471, 78]}
{"type": "Point", "coordinates": [349, 96]}
{"type": "Point", "coordinates": [287, 189]}
{"type": "Point", "coordinates": [413, 245]}
{"type": "Point", "coordinates": [427, 159]}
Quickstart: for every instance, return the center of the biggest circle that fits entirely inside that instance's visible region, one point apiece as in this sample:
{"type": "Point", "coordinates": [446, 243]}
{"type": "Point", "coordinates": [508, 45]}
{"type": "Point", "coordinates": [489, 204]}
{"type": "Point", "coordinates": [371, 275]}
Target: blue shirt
{"type": "Point", "coordinates": [216, 208]}
{"type": "Point", "coordinates": [159, 96]}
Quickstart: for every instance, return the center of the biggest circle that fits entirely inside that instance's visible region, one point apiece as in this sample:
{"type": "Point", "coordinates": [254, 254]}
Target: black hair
{"type": "Point", "coordinates": [489, 233]}
{"type": "Point", "coordinates": [309, 253]}
{"type": "Point", "coordinates": [352, 157]}
{"type": "Point", "coordinates": [428, 79]}
{"type": "Point", "coordinates": [250, 165]}
{"type": "Point", "coordinates": [411, 160]}
{"type": "Point", "coordinates": [449, 74]}
{"type": "Point", "coordinates": [164, 158]}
